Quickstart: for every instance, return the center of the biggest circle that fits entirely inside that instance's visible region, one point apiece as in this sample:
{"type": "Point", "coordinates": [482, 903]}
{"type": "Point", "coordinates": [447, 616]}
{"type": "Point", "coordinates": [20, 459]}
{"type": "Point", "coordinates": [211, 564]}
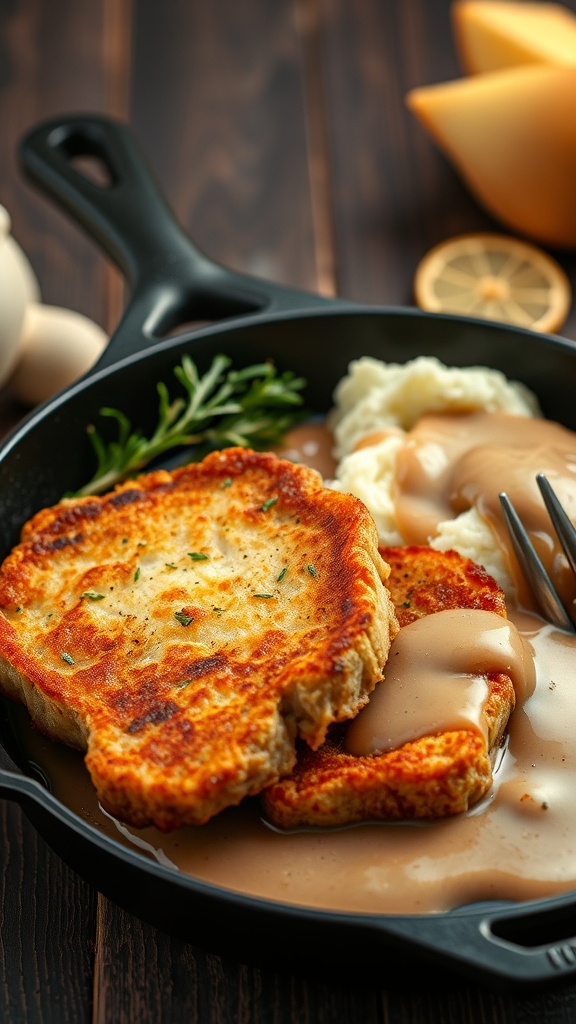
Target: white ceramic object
{"type": "Point", "coordinates": [43, 348]}
{"type": "Point", "coordinates": [18, 288]}
{"type": "Point", "coordinates": [57, 347]}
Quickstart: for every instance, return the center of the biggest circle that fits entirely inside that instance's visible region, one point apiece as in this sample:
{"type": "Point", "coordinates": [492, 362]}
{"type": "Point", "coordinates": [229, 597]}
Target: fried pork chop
{"type": "Point", "coordinates": [433, 776]}
{"type": "Point", "coordinates": [187, 627]}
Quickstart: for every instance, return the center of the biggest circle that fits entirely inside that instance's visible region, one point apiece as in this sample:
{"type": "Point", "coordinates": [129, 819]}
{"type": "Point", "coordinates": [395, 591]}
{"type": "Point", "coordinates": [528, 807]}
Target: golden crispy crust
{"type": "Point", "coordinates": [189, 626]}
{"type": "Point", "coordinates": [434, 776]}
{"type": "Point", "coordinates": [423, 581]}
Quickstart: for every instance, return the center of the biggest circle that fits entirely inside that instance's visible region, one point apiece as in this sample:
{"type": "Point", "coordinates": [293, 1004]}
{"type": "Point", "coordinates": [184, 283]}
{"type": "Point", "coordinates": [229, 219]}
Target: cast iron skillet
{"type": "Point", "coordinates": [172, 284]}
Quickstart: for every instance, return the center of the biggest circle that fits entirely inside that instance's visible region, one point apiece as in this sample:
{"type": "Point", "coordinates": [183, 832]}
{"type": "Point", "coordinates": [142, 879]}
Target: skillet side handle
{"type": "Point", "coordinates": [520, 946]}
{"type": "Point", "coordinates": [171, 281]}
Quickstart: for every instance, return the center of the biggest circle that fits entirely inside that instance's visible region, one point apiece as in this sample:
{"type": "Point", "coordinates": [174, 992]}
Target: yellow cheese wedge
{"type": "Point", "coordinates": [512, 136]}
{"type": "Point", "coordinates": [494, 34]}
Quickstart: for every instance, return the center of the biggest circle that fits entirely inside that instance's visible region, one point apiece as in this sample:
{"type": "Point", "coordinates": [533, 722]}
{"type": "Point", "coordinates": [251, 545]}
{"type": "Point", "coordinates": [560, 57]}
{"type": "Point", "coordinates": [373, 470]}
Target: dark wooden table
{"type": "Point", "coordinates": [279, 131]}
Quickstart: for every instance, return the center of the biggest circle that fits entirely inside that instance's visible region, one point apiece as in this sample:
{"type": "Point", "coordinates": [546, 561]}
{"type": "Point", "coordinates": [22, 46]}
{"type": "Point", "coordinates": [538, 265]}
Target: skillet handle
{"type": "Point", "coordinates": [519, 945]}
{"type": "Point", "coordinates": [171, 281]}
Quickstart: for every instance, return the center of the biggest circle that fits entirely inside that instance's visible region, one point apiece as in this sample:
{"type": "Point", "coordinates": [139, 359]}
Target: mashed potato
{"type": "Point", "coordinates": [387, 399]}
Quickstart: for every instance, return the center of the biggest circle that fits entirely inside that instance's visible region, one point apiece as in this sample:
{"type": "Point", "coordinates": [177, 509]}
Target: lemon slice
{"type": "Point", "coordinates": [494, 277]}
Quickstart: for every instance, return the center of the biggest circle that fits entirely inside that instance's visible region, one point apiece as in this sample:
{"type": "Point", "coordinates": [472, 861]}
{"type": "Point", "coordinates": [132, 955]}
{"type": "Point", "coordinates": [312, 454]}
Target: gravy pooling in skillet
{"type": "Point", "coordinates": [519, 843]}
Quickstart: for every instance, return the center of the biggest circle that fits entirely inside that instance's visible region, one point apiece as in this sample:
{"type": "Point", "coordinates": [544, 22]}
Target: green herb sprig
{"type": "Point", "coordinates": [251, 407]}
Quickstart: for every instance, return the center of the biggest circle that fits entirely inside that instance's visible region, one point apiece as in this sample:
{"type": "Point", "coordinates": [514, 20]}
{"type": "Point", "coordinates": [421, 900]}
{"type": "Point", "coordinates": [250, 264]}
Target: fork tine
{"type": "Point", "coordinates": [539, 580]}
{"type": "Point", "coordinates": [560, 521]}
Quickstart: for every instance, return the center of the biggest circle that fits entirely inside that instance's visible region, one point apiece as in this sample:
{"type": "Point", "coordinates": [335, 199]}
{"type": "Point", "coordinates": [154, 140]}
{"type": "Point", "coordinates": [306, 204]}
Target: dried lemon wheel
{"type": "Point", "coordinates": [495, 277]}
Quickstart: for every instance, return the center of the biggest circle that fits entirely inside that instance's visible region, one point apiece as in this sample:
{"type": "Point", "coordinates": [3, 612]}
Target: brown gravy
{"type": "Point", "coordinates": [435, 679]}
{"type": "Point", "coordinates": [519, 843]}
{"type": "Point", "coordinates": [310, 444]}
{"type": "Point", "coordinates": [453, 462]}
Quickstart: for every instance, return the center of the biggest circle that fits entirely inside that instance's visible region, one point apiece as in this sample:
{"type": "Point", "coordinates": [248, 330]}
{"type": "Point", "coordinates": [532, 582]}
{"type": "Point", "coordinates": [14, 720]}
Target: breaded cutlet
{"type": "Point", "coordinates": [432, 776]}
{"type": "Point", "coordinates": [186, 628]}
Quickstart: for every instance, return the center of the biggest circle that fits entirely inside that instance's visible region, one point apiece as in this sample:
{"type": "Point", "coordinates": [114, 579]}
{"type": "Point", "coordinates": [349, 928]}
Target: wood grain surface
{"type": "Point", "coordinates": [279, 132]}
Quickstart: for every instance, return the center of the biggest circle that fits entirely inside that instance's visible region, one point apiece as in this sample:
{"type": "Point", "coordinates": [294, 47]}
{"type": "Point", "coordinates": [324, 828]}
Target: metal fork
{"type": "Point", "coordinates": [542, 587]}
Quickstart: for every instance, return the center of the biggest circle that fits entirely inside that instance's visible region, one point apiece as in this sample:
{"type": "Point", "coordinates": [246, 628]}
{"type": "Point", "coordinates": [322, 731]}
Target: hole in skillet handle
{"type": "Point", "coordinates": [543, 938]}
{"type": "Point", "coordinates": [553, 926]}
{"type": "Point", "coordinates": [94, 169]}
{"type": "Point", "coordinates": [87, 157]}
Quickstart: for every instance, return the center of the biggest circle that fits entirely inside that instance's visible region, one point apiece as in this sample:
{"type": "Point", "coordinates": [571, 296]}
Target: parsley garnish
{"type": "Point", "coordinates": [252, 407]}
{"type": "Point", "coordinates": [92, 595]}
{"type": "Point", "coordinates": [312, 570]}
{"type": "Point", "coordinates": [268, 504]}
{"type": "Point", "coordinates": [266, 596]}
{"type": "Point", "coordinates": [197, 556]}
{"type": "Point", "coordinates": [67, 658]}
{"type": "Point", "coordinates": [183, 619]}
{"type": "Point", "coordinates": [282, 574]}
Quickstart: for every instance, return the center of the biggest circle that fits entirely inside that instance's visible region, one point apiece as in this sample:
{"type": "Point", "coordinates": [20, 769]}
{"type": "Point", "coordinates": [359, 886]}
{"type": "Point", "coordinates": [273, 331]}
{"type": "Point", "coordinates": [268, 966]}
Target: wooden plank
{"type": "Point", "coordinates": [46, 930]}
{"type": "Point", "coordinates": [218, 105]}
{"type": "Point", "coordinates": [395, 194]}
{"type": "Point", "coordinates": [51, 62]}
{"type": "Point", "coordinates": [145, 975]}
{"type": "Point", "coordinates": [393, 198]}
{"type": "Point", "coordinates": [53, 65]}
